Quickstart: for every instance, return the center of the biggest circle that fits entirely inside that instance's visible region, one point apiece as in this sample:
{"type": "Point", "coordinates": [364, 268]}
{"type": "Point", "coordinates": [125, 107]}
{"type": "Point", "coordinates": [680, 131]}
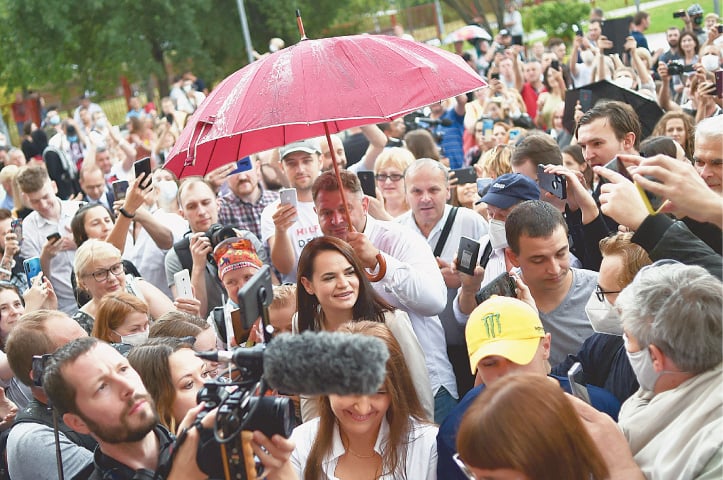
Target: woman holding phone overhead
{"type": "Point", "coordinates": [333, 289]}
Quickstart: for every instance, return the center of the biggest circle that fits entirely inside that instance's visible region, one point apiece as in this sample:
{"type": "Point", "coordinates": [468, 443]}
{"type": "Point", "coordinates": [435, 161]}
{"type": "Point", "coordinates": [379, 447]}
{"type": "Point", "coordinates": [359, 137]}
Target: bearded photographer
{"type": "Point", "coordinates": [98, 393]}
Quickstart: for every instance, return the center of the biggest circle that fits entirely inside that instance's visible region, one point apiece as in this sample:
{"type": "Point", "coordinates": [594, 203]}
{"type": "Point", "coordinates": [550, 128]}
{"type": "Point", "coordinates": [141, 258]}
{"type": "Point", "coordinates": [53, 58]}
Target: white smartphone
{"type": "Point", "coordinates": [288, 196]}
{"type": "Point", "coordinates": [182, 281]}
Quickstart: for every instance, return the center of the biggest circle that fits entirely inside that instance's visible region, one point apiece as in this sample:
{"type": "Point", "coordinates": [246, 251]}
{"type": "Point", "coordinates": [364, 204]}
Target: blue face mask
{"type": "Point", "coordinates": [73, 139]}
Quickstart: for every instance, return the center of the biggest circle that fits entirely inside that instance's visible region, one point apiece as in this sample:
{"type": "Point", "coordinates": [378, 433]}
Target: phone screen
{"type": "Point", "coordinates": [503, 285]}
{"type": "Point", "coordinates": [577, 382]}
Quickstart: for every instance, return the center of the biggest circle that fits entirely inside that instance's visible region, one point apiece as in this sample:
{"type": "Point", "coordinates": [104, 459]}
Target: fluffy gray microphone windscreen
{"type": "Point", "coordinates": [323, 363]}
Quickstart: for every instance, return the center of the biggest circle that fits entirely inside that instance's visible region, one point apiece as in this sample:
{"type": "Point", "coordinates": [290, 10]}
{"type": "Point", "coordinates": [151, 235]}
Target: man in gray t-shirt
{"type": "Point", "coordinates": [538, 245]}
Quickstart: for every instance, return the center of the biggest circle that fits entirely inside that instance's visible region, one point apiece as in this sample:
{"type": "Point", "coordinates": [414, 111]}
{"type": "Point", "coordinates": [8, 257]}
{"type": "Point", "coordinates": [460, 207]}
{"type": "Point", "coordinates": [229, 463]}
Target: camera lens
{"type": "Point", "coordinates": [273, 415]}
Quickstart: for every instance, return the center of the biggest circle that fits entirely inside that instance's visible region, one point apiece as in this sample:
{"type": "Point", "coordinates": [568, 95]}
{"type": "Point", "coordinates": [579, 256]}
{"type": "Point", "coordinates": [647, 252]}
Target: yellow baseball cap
{"type": "Point", "coordinates": [503, 326]}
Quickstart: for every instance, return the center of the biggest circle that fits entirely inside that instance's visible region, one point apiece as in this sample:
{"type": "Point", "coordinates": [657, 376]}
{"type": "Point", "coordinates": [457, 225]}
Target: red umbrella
{"type": "Point", "coordinates": [313, 88]}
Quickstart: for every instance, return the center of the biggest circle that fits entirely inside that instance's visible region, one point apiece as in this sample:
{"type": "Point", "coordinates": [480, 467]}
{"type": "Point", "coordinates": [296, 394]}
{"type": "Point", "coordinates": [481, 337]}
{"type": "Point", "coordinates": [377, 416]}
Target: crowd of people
{"type": "Point", "coordinates": [498, 250]}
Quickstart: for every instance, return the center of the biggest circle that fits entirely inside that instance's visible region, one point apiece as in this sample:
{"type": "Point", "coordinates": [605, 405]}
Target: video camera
{"type": "Point", "coordinates": [241, 404]}
{"type": "Point", "coordinates": [676, 67]}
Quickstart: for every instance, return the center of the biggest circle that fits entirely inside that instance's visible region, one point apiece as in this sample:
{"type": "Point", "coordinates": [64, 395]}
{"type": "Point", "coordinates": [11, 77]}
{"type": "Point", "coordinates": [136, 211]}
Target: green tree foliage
{"type": "Point", "coordinates": [557, 18]}
{"type": "Point", "coordinates": [89, 44]}
{"type": "Point", "coordinates": [473, 11]}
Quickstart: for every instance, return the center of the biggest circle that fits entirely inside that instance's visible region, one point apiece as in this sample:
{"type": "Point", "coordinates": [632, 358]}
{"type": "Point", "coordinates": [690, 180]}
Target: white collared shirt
{"type": "Point", "coordinates": [421, 462]}
{"type": "Point", "coordinates": [35, 232]}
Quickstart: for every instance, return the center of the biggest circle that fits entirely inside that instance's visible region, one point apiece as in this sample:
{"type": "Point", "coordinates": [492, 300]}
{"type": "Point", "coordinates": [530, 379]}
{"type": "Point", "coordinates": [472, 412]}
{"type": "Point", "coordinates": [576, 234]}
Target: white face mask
{"type": "Point", "coordinates": [642, 364]}
{"type": "Point", "coordinates": [273, 48]}
{"type": "Point", "coordinates": [624, 82]}
{"type": "Point", "coordinates": [134, 339]}
{"type": "Point", "coordinates": [710, 62]}
{"type": "Point", "coordinates": [498, 237]}
{"type": "Point", "coordinates": [167, 190]}
{"type": "Point", "coordinates": [187, 87]}
{"type": "Point", "coordinates": [603, 316]}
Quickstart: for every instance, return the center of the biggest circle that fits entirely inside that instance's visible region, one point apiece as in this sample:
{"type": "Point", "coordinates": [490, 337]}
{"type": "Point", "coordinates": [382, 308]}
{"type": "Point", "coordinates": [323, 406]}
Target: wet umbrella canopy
{"type": "Point", "coordinates": [303, 90]}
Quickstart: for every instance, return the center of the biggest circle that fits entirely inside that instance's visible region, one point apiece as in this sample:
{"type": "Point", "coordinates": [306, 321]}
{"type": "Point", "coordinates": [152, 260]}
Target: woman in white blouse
{"type": "Point", "coordinates": [380, 436]}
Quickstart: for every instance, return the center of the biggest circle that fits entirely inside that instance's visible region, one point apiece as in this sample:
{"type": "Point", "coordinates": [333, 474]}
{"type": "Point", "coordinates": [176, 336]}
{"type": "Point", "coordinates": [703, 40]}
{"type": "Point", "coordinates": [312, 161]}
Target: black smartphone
{"type": "Point", "coordinates": [578, 31]}
{"type": "Point", "coordinates": [553, 183]}
{"type": "Point", "coordinates": [720, 28]}
{"type": "Point", "coordinates": [368, 183]}
{"type": "Point", "coordinates": [585, 99]}
{"type": "Point", "coordinates": [495, 76]}
{"type": "Point", "coordinates": [120, 187]}
{"type": "Point", "coordinates": [578, 386]}
{"type": "Point", "coordinates": [467, 254]}
{"type": "Point", "coordinates": [53, 237]}
{"type": "Point", "coordinates": [465, 175]}
{"type": "Point", "coordinates": [503, 285]}
{"type": "Point", "coordinates": [555, 64]}
{"type": "Point", "coordinates": [32, 269]}
{"type": "Point", "coordinates": [254, 296]}
{"type": "Point", "coordinates": [16, 226]}
{"type": "Point", "coordinates": [143, 169]}
{"type": "Point", "coordinates": [617, 165]}
{"type": "Point", "coordinates": [679, 14]}
{"type": "Point", "coordinates": [719, 80]}
{"type": "Point", "coordinates": [38, 368]}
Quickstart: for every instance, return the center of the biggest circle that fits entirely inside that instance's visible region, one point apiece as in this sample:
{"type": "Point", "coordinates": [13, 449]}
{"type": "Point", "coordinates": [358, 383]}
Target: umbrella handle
{"type": "Point", "coordinates": [380, 258]}
{"type": "Point", "coordinates": [382, 269]}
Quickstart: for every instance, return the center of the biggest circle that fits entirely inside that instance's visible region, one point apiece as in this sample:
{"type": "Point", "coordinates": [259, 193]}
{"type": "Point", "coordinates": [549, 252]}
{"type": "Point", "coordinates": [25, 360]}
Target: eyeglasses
{"type": "Point", "coordinates": [463, 467]}
{"type": "Point", "coordinates": [394, 177]}
{"type": "Point", "coordinates": [600, 293]}
{"type": "Point", "coordinates": [101, 275]}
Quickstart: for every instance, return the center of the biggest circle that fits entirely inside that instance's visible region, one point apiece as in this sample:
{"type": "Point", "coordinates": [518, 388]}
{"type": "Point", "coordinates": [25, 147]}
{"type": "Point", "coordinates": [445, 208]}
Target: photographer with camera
{"type": "Point", "coordinates": [98, 393]}
{"type": "Point", "coordinates": [198, 205]}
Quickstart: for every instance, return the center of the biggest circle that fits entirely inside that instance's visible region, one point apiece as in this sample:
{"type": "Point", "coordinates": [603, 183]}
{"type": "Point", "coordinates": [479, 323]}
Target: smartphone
{"type": "Point", "coordinates": [32, 269]}
{"type": "Point", "coordinates": [495, 76]}
{"type": "Point", "coordinates": [578, 31]}
{"type": "Point", "coordinates": [487, 126]}
{"type": "Point", "coordinates": [53, 237]}
{"type": "Point", "coordinates": [482, 184]}
{"type": "Point", "coordinates": [16, 226]}
{"type": "Point", "coordinates": [513, 134]}
{"type": "Point", "coordinates": [555, 64]}
{"type": "Point", "coordinates": [143, 169]}
{"type": "Point", "coordinates": [254, 296]}
{"type": "Point", "coordinates": [240, 332]}
{"type": "Point", "coordinates": [38, 368]}
{"type": "Point", "coordinates": [368, 184]}
{"type": "Point", "coordinates": [577, 382]}
{"type": "Point", "coordinates": [467, 254]}
{"type": "Point", "coordinates": [465, 175]}
{"type": "Point", "coordinates": [617, 165]}
{"type": "Point", "coordinates": [720, 28]}
{"type": "Point", "coordinates": [679, 14]}
{"type": "Point", "coordinates": [553, 183]}
{"type": "Point", "coordinates": [652, 202]}
{"type": "Point", "coordinates": [120, 187]}
{"type": "Point", "coordinates": [503, 285]}
{"type": "Point", "coordinates": [182, 281]}
{"type": "Point", "coordinates": [287, 196]}
{"type": "Point", "coordinates": [719, 80]}
{"type": "Point", "coordinates": [585, 99]}
{"type": "Point", "coordinates": [242, 165]}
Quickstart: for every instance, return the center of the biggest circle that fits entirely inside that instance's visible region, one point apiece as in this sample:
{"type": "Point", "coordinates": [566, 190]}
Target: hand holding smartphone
{"type": "Point", "coordinates": [653, 203]}
{"type": "Point", "coordinates": [287, 196]}
{"type": "Point", "coordinates": [142, 168]}
{"type": "Point", "coordinates": [182, 282]}
{"type": "Point", "coordinates": [467, 254]}
{"type": "Point", "coordinates": [465, 175]}
{"type": "Point", "coordinates": [32, 269]}
{"type": "Point", "coordinates": [368, 183]}
{"type": "Point", "coordinates": [503, 285]}
{"type": "Point", "coordinates": [16, 226]}
{"type": "Point", "coordinates": [553, 183]}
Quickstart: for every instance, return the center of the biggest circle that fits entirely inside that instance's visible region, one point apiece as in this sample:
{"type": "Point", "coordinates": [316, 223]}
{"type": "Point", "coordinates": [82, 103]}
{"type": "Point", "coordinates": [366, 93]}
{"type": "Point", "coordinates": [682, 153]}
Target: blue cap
{"type": "Point", "coordinates": [510, 189]}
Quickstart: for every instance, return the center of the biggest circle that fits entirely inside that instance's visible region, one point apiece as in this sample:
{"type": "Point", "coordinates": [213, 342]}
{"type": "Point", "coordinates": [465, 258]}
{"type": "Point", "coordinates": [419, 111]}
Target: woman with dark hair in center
{"type": "Point", "coordinates": [333, 289]}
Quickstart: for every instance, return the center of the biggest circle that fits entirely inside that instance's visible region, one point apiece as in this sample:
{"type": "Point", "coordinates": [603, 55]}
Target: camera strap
{"type": "Point", "coordinates": [445, 232]}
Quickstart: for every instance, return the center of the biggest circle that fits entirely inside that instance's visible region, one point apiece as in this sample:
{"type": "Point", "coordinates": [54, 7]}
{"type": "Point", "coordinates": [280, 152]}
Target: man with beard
{"type": "Point", "coordinates": [99, 394]}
